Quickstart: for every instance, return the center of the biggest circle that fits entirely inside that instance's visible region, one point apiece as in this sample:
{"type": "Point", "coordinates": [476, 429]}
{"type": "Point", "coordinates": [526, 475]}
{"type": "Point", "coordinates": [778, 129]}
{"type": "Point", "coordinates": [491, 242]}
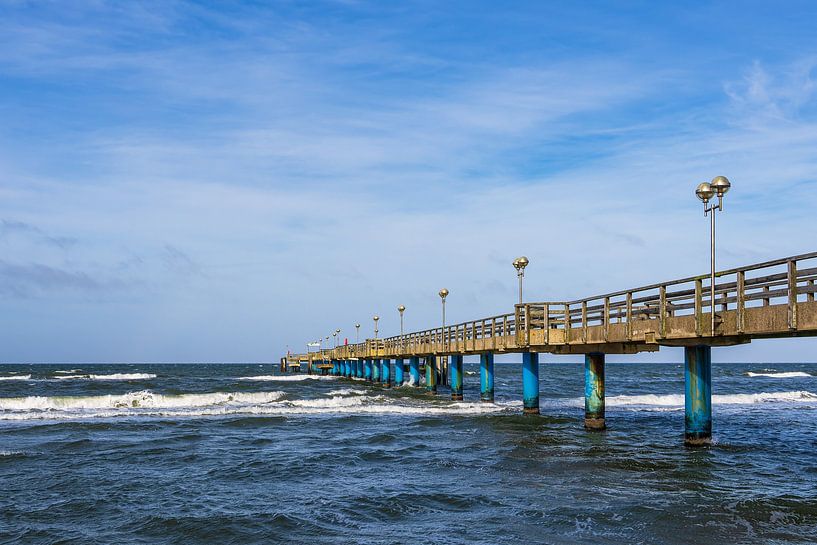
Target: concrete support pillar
{"type": "Point", "coordinates": [367, 373]}
{"type": "Point", "coordinates": [698, 396]}
{"type": "Point", "coordinates": [431, 374]}
{"type": "Point", "coordinates": [348, 368]}
{"type": "Point", "coordinates": [530, 382]}
{"type": "Point", "coordinates": [414, 371]}
{"type": "Point", "coordinates": [398, 372]}
{"type": "Point", "coordinates": [456, 377]}
{"type": "Point", "coordinates": [594, 391]}
{"type": "Point", "coordinates": [385, 372]}
{"type": "Point", "coordinates": [486, 377]}
{"type": "Point", "coordinates": [356, 368]}
{"type": "Point", "coordinates": [376, 370]}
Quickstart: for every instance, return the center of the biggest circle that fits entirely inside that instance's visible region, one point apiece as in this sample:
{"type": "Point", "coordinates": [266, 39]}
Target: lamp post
{"type": "Point", "coordinates": [520, 263]}
{"type": "Point", "coordinates": [335, 339]}
{"type": "Point", "coordinates": [443, 294]}
{"type": "Point", "coordinates": [401, 309]}
{"type": "Point", "coordinates": [375, 318]}
{"type": "Point", "coordinates": [357, 333]}
{"type": "Point", "coordinates": [705, 191]}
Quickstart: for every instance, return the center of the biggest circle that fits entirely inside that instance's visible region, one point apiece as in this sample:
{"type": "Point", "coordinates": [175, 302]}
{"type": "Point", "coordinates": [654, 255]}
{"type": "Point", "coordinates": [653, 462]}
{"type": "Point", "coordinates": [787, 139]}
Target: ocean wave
{"type": "Point", "coordinates": [781, 374]}
{"type": "Point", "coordinates": [16, 377]}
{"type": "Point", "coordinates": [289, 378]}
{"type": "Point", "coordinates": [346, 392]}
{"type": "Point", "coordinates": [677, 400]}
{"type": "Point", "coordinates": [149, 404]}
{"type": "Point", "coordinates": [134, 400]}
{"type": "Point", "coordinates": [114, 376]}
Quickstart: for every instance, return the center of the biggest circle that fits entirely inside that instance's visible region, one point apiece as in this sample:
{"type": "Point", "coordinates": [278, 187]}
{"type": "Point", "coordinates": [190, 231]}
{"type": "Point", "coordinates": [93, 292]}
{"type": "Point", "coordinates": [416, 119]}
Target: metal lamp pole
{"type": "Point", "coordinates": [705, 191]}
{"type": "Point", "coordinates": [520, 263]}
{"type": "Point", "coordinates": [443, 294]}
{"type": "Point", "coordinates": [375, 318]}
{"type": "Point", "coordinates": [401, 309]}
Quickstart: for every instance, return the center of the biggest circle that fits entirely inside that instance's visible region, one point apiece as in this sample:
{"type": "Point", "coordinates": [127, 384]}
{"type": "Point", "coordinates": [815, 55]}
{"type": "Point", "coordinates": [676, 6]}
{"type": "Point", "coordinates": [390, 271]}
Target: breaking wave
{"type": "Point", "coordinates": [289, 378]}
{"type": "Point", "coordinates": [115, 376]}
{"type": "Point", "coordinates": [677, 400]}
{"type": "Point", "coordinates": [149, 404]}
{"type": "Point", "coordinates": [16, 377]}
{"type": "Point", "coordinates": [782, 374]}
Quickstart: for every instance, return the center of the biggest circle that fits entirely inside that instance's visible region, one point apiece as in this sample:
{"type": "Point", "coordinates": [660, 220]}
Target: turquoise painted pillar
{"type": "Point", "coordinates": [594, 391]}
{"type": "Point", "coordinates": [347, 368]}
{"type": "Point", "coordinates": [456, 377]}
{"type": "Point", "coordinates": [376, 370]}
{"type": "Point", "coordinates": [367, 370]}
{"type": "Point", "coordinates": [431, 374]}
{"type": "Point", "coordinates": [385, 372]}
{"type": "Point", "coordinates": [414, 371]}
{"type": "Point", "coordinates": [356, 368]}
{"type": "Point", "coordinates": [335, 368]}
{"type": "Point", "coordinates": [398, 372]}
{"type": "Point", "coordinates": [530, 382]}
{"type": "Point", "coordinates": [486, 377]}
{"type": "Point", "coordinates": [698, 396]}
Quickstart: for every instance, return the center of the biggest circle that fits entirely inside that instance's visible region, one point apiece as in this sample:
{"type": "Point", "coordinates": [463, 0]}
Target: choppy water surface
{"type": "Point", "coordinates": [240, 454]}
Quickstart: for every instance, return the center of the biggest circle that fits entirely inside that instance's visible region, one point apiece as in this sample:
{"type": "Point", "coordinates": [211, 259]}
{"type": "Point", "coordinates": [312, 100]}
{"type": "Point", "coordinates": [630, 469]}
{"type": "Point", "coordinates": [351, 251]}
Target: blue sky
{"type": "Point", "coordinates": [214, 181]}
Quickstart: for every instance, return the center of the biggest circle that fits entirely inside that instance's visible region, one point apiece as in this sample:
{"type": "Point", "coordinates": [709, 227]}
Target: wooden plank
{"type": "Point", "coordinates": [699, 307]}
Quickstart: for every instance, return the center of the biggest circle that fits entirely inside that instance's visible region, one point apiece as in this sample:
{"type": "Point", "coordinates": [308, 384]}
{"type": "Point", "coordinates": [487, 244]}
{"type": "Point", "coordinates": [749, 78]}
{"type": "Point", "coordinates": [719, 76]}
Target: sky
{"type": "Point", "coordinates": [220, 181]}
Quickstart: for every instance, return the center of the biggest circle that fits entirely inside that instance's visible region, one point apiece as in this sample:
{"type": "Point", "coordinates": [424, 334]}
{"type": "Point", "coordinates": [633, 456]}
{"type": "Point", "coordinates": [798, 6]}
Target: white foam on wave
{"type": "Point", "coordinates": [289, 378]}
{"type": "Point", "coordinates": [149, 404]}
{"type": "Point", "coordinates": [16, 377]}
{"type": "Point", "coordinates": [114, 376]}
{"type": "Point", "coordinates": [677, 400]}
{"type": "Point", "coordinates": [134, 400]}
{"type": "Point", "coordinates": [781, 374]}
{"type": "Point", "coordinates": [346, 392]}
{"type": "Point", "coordinates": [67, 371]}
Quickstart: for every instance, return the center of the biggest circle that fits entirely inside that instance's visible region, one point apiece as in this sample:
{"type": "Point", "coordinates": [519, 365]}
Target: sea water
{"type": "Point", "coordinates": [222, 453]}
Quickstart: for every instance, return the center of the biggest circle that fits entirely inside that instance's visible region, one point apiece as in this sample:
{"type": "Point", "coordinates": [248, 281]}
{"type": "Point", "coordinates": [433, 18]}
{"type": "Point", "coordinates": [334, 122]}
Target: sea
{"type": "Point", "coordinates": [242, 453]}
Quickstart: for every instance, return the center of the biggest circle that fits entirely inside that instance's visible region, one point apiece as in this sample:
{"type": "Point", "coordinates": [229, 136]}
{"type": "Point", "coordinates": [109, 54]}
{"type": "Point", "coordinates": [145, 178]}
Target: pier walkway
{"type": "Point", "coordinates": [765, 300]}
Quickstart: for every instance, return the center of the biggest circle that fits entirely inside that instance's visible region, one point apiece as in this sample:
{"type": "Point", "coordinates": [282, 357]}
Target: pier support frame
{"type": "Point", "coordinates": [398, 372]}
{"type": "Point", "coordinates": [367, 370]}
{"type": "Point", "coordinates": [385, 372]}
{"type": "Point", "coordinates": [486, 377]}
{"type": "Point", "coordinates": [698, 396]}
{"type": "Point", "coordinates": [431, 374]}
{"type": "Point", "coordinates": [414, 371]}
{"type": "Point", "coordinates": [456, 377]}
{"type": "Point", "coordinates": [376, 370]}
{"type": "Point", "coordinates": [530, 382]}
{"type": "Point", "coordinates": [358, 368]}
{"type": "Point", "coordinates": [594, 391]}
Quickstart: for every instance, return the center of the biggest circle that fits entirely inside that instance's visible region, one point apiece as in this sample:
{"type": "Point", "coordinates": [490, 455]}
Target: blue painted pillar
{"type": "Point", "coordinates": [367, 373]}
{"type": "Point", "coordinates": [698, 396]}
{"type": "Point", "coordinates": [486, 377]}
{"type": "Point", "coordinates": [361, 368]}
{"type": "Point", "coordinates": [414, 371]}
{"type": "Point", "coordinates": [398, 372]}
{"type": "Point", "coordinates": [376, 370]}
{"type": "Point", "coordinates": [335, 370]}
{"type": "Point", "coordinates": [594, 391]}
{"type": "Point", "coordinates": [431, 374]}
{"type": "Point", "coordinates": [530, 382]}
{"type": "Point", "coordinates": [355, 368]}
{"type": "Point", "coordinates": [385, 372]}
{"type": "Point", "coordinates": [456, 377]}
{"type": "Point", "coordinates": [347, 368]}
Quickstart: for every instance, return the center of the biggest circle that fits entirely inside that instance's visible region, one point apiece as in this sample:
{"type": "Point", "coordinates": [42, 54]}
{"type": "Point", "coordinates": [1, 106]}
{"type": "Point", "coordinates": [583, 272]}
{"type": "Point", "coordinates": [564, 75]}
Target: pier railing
{"type": "Point", "coordinates": [678, 309]}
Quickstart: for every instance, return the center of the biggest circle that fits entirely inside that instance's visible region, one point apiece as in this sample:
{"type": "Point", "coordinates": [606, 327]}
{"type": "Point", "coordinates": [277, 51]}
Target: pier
{"type": "Point", "coordinates": [773, 299]}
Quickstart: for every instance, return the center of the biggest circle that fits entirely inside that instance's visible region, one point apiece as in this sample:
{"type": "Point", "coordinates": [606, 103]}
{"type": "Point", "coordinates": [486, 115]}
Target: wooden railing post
{"type": "Point", "coordinates": [567, 324]}
{"type": "Point", "coordinates": [546, 320]}
{"type": "Point", "coordinates": [662, 311]}
{"type": "Point", "coordinates": [584, 321]}
{"type": "Point", "coordinates": [699, 308]}
{"type": "Point", "coordinates": [792, 294]}
{"type": "Point", "coordinates": [527, 325]}
{"type": "Point", "coordinates": [629, 316]}
{"type": "Point", "coordinates": [741, 295]}
{"type": "Point", "coordinates": [606, 318]}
